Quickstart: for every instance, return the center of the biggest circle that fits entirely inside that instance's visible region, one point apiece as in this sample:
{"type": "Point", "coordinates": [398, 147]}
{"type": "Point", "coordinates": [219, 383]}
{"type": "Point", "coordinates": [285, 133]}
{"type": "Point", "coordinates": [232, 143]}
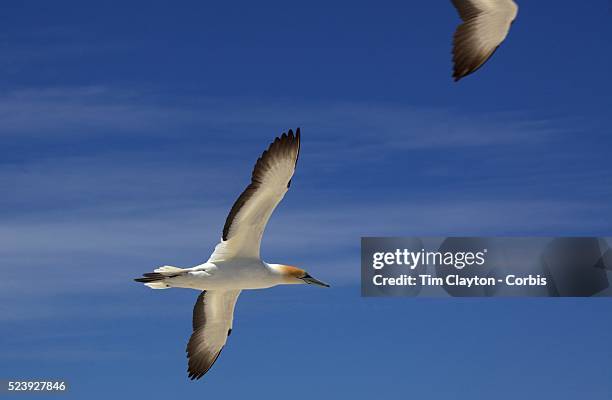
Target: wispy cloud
{"type": "Point", "coordinates": [85, 112]}
{"type": "Point", "coordinates": [105, 184]}
{"type": "Point", "coordinates": [98, 110]}
{"type": "Point", "coordinates": [88, 145]}
{"type": "Point", "coordinates": [94, 253]}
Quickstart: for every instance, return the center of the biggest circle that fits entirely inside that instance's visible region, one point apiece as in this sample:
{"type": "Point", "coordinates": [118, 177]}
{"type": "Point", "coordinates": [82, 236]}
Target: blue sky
{"type": "Point", "coordinates": [128, 130]}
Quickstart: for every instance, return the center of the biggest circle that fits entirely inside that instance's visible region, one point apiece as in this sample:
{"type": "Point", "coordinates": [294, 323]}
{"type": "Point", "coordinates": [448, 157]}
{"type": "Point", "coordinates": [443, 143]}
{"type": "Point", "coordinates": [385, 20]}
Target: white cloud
{"type": "Point", "coordinates": [92, 220]}
{"type": "Point", "coordinates": [102, 111]}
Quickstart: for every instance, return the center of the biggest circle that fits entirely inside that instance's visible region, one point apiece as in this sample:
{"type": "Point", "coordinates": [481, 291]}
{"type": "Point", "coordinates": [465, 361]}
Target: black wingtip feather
{"type": "Point", "coordinates": [195, 374]}
{"type": "Point", "coordinates": [151, 277]}
{"type": "Point", "coordinates": [285, 139]}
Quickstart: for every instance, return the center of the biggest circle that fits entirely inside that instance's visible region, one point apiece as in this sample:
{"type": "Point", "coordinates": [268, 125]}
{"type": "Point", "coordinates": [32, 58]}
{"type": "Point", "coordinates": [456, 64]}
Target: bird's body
{"type": "Point", "coordinates": [235, 265]}
{"type": "Point", "coordinates": [233, 274]}
{"type": "Point", "coordinates": [485, 26]}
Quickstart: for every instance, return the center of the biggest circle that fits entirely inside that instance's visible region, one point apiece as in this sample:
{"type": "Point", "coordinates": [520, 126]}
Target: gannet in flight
{"type": "Point", "coordinates": [486, 24]}
{"type": "Point", "coordinates": [235, 263]}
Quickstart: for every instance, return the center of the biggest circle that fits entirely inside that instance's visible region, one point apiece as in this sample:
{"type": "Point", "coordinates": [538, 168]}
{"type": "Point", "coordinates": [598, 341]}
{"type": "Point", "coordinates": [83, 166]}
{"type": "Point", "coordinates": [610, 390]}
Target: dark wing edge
{"type": "Point", "coordinates": [285, 142]}
{"type": "Point", "coordinates": [467, 58]}
{"type": "Point", "coordinates": [466, 9]}
{"type": "Point", "coordinates": [199, 361]}
{"type": "Point", "coordinates": [468, 55]}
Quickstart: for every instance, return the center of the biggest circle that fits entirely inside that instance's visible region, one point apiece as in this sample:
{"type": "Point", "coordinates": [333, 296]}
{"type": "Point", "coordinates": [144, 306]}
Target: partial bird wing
{"type": "Point", "coordinates": [486, 25]}
{"type": "Point", "coordinates": [270, 181]}
{"type": "Point", "coordinates": [213, 315]}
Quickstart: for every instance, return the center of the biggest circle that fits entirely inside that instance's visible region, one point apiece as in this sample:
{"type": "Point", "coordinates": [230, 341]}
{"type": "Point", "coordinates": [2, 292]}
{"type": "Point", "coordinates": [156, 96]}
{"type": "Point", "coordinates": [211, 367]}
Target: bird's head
{"type": "Point", "coordinates": [294, 275]}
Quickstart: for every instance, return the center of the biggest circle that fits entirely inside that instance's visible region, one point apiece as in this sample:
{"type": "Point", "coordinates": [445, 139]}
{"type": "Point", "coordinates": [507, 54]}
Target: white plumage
{"type": "Point", "coordinates": [235, 264]}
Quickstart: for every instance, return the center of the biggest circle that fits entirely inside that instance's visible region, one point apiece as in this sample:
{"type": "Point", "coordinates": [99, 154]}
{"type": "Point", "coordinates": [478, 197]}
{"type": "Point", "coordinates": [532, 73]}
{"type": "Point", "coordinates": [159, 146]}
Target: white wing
{"type": "Point", "coordinates": [213, 315]}
{"type": "Point", "coordinates": [270, 181]}
{"type": "Point", "coordinates": [486, 25]}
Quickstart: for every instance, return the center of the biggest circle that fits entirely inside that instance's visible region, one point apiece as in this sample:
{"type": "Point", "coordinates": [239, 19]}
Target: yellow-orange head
{"type": "Point", "coordinates": [290, 275]}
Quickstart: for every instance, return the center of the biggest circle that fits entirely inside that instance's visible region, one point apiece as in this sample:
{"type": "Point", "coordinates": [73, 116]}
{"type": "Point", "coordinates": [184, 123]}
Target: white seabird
{"type": "Point", "coordinates": [486, 24]}
{"type": "Point", "coordinates": [235, 263]}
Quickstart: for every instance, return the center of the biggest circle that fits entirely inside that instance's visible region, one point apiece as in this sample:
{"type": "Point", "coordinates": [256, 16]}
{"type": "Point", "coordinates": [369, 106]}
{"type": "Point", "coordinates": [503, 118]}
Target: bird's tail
{"type": "Point", "coordinates": [157, 278]}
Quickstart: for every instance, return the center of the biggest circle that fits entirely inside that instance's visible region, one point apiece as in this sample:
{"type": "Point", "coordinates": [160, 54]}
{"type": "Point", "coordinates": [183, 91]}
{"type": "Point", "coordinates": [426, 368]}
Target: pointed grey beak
{"type": "Point", "coordinates": [312, 281]}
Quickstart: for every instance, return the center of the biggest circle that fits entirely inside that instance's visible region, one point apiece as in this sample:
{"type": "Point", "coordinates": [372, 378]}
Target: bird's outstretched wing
{"type": "Point", "coordinates": [248, 217]}
{"type": "Point", "coordinates": [213, 314]}
{"type": "Point", "coordinates": [486, 24]}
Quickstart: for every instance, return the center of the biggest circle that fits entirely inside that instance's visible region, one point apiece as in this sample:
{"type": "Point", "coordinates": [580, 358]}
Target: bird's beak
{"type": "Point", "coordinates": [312, 281]}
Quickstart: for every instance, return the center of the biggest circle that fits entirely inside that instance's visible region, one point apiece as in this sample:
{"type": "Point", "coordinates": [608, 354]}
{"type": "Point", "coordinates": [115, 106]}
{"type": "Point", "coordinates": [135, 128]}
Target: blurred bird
{"type": "Point", "coordinates": [235, 263]}
{"type": "Point", "coordinates": [486, 24]}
